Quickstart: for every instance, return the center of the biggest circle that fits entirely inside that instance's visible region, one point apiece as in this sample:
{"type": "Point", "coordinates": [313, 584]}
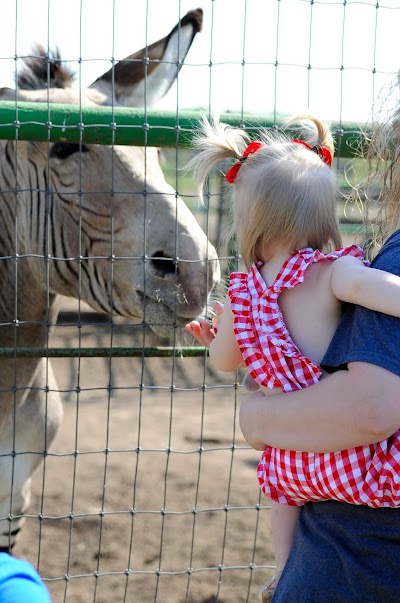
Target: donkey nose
{"type": "Point", "coordinates": [163, 265]}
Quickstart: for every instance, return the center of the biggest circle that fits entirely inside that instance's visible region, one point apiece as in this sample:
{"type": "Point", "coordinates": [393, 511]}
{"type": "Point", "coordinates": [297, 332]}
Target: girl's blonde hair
{"type": "Point", "coordinates": [283, 194]}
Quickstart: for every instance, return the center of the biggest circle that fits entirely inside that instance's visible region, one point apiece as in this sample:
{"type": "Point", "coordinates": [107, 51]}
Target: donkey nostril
{"type": "Point", "coordinates": [163, 264]}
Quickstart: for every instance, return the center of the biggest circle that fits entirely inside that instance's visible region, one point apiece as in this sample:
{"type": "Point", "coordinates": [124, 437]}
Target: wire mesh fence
{"type": "Point", "coordinates": [148, 492]}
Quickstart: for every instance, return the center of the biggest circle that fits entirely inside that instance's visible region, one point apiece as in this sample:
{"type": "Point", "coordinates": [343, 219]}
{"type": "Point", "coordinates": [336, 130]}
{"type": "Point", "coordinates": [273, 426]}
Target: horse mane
{"type": "Point", "coordinates": [44, 70]}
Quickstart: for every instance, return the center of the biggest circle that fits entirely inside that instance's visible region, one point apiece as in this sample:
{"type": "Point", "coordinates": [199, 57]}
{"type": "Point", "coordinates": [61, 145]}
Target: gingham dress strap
{"type": "Point", "coordinates": [268, 350]}
{"type": "Point", "coordinates": [293, 270]}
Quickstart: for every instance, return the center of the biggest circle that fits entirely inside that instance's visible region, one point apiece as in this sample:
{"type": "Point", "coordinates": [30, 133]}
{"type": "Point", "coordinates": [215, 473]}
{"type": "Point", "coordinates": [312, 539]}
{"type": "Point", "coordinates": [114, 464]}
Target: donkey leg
{"type": "Point", "coordinates": [12, 522]}
{"type": "Point", "coordinates": [24, 440]}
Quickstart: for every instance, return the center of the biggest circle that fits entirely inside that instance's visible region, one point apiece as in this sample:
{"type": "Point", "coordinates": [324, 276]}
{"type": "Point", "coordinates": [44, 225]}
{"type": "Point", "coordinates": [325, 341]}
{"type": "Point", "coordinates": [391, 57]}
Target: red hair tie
{"type": "Point", "coordinates": [233, 171]}
{"type": "Point", "coordinates": [324, 153]}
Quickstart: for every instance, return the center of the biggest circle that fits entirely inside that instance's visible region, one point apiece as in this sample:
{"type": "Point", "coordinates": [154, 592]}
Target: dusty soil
{"type": "Point", "coordinates": [149, 493]}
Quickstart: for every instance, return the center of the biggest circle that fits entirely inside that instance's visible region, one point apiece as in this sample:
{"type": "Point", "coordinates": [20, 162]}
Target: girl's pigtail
{"type": "Point", "coordinates": [325, 138]}
{"type": "Point", "coordinates": [313, 131]}
{"type": "Point", "coordinates": [215, 143]}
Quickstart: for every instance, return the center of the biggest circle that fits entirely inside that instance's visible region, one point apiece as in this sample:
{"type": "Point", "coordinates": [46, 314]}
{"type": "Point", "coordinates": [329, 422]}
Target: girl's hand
{"type": "Point", "coordinates": [202, 331]}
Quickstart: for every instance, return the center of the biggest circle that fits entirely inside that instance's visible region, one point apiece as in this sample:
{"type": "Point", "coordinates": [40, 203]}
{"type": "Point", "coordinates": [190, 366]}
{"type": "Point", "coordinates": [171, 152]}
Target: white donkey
{"type": "Point", "coordinates": [65, 210]}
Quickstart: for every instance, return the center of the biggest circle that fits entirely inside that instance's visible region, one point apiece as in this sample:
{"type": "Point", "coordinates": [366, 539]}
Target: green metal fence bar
{"type": "Point", "coordinates": [122, 126]}
{"type": "Point", "coordinates": [116, 352]}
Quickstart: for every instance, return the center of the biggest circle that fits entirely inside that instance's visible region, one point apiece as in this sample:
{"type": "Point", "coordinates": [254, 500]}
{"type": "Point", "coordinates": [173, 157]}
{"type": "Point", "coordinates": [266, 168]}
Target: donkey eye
{"type": "Point", "coordinates": [63, 150]}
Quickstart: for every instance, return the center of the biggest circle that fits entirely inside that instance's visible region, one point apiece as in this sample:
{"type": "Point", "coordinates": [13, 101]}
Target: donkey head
{"type": "Point", "coordinates": [116, 234]}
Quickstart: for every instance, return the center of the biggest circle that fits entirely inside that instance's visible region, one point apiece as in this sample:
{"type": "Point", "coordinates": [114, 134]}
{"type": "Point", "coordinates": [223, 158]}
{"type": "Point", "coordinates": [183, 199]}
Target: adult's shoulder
{"type": "Point", "coordinates": [388, 257]}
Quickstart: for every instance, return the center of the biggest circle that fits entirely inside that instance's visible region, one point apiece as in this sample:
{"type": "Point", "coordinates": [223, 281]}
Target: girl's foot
{"type": "Point", "coordinates": [268, 589]}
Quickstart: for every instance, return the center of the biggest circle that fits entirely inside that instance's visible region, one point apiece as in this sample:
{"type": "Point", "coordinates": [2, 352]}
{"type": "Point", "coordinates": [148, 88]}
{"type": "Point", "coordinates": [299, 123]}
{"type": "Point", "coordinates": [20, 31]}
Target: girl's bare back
{"type": "Point", "coordinates": [311, 311]}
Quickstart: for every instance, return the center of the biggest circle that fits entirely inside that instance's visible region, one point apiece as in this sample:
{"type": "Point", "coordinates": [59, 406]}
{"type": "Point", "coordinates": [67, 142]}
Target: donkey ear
{"type": "Point", "coordinates": [145, 77]}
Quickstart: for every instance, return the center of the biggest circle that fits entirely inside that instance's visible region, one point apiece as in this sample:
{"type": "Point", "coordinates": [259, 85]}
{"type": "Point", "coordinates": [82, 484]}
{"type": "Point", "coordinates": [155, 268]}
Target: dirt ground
{"type": "Point", "coordinates": [149, 493]}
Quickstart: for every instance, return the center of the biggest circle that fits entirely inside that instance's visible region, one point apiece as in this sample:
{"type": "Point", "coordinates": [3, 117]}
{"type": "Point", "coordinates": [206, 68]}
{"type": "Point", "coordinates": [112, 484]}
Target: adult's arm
{"type": "Point", "coordinates": [349, 408]}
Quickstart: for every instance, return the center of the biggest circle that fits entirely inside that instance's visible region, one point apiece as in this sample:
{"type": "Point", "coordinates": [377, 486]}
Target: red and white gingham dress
{"type": "Point", "coordinates": [368, 475]}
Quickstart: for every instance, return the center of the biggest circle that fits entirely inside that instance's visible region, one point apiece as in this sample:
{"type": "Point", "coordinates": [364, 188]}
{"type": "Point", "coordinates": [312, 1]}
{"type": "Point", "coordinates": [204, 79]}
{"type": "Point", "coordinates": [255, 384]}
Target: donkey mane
{"type": "Point", "coordinates": [44, 70]}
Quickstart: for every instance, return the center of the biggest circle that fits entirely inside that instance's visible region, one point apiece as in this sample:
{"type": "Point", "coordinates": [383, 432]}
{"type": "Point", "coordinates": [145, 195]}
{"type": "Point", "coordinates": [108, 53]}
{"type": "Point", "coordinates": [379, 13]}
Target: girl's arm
{"type": "Point", "coordinates": [224, 350]}
{"type": "Point", "coordinates": [353, 282]}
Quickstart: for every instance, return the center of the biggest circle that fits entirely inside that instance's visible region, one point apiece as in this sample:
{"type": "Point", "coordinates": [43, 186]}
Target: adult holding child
{"type": "Point", "coordinates": [284, 216]}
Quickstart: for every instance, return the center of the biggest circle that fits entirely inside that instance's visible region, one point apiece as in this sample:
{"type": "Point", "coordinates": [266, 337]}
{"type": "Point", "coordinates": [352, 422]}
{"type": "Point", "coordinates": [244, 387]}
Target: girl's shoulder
{"type": "Point", "coordinates": [351, 250]}
{"type": "Point", "coordinates": [322, 263]}
{"type": "Point", "coordinates": [299, 264]}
